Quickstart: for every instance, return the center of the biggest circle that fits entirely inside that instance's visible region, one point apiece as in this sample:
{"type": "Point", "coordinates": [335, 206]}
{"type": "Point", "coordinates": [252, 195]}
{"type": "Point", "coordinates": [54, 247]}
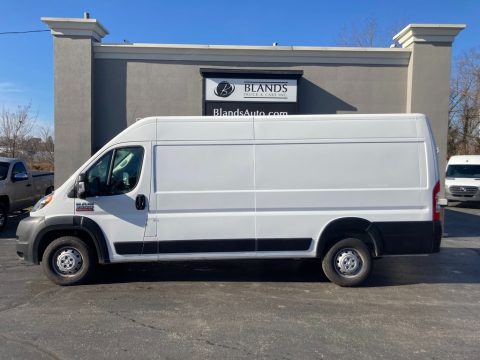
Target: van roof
{"type": "Point", "coordinates": [283, 117]}
{"type": "Point", "coordinates": [464, 159]}
{"type": "Point", "coordinates": [328, 126]}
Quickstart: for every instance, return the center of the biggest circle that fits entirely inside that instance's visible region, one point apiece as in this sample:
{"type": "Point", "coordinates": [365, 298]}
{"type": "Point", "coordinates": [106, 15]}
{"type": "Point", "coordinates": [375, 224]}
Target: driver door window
{"type": "Point", "coordinates": [120, 176]}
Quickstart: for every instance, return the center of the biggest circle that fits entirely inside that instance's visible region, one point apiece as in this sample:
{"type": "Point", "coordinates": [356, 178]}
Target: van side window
{"type": "Point", "coordinates": [117, 172]}
{"type": "Point", "coordinates": [127, 165]}
{"type": "Point", "coordinates": [97, 176]}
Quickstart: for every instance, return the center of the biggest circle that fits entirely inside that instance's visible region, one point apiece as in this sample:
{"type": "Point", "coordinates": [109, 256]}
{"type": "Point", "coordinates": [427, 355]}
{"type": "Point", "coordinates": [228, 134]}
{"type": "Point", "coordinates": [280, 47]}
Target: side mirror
{"type": "Point", "coordinates": [20, 177]}
{"type": "Point", "coordinates": [80, 187]}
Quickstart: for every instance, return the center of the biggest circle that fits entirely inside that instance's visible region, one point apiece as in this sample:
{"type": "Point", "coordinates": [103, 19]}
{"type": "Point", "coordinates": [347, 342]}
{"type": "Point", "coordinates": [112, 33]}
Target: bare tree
{"type": "Point", "coordinates": [15, 129]}
{"type": "Point", "coordinates": [47, 146]}
{"type": "Point", "coordinates": [464, 106]}
{"type": "Point", "coordinates": [366, 34]}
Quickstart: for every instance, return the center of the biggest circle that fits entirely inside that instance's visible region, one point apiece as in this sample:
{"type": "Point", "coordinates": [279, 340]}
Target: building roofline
{"type": "Point", "coordinates": [428, 33]}
{"type": "Point", "coordinates": [253, 54]}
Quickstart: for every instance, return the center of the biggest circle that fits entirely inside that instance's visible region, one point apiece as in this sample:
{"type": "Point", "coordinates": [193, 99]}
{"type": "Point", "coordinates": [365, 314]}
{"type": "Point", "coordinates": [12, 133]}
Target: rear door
{"type": "Point", "coordinates": [118, 198]}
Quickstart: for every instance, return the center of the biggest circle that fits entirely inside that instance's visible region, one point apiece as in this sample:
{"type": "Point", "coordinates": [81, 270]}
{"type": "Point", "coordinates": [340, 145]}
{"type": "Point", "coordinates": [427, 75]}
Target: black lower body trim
{"type": "Point", "coordinates": [211, 246]}
{"type": "Point", "coordinates": [283, 244]}
{"type": "Point", "coordinates": [410, 237]}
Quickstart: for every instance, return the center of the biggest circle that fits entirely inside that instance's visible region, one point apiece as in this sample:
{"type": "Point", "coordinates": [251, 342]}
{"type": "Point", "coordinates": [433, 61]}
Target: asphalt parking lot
{"type": "Point", "coordinates": [411, 308]}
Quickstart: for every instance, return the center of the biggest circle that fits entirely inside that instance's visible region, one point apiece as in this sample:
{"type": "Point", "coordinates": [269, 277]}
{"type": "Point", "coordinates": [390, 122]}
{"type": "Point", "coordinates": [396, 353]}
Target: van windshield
{"type": "Point", "coordinates": [4, 170]}
{"type": "Point", "coordinates": [463, 171]}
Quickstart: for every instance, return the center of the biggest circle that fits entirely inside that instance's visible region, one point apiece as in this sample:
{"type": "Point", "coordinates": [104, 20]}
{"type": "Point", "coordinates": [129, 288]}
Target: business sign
{"type": "Point", "coordinates": [236, 92]}
{"type": "Point", "coordinates": [251, 90]}
{"type": "Point", "coordinates": [223, 108]}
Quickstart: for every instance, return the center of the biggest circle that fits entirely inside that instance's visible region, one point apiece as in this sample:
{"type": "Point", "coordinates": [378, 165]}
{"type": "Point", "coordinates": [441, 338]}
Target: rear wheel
{"type": "Point", "coordinates": [68, 261]}
{"type": "Point", "coordinates": [3, 216]}
{"type": "Point", "coordinates": [348, 262]}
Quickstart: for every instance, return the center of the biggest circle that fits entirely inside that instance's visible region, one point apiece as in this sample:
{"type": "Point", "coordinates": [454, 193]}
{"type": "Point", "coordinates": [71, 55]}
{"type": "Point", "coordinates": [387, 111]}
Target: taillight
{"type": "Point", "coordinates": [436, 207]}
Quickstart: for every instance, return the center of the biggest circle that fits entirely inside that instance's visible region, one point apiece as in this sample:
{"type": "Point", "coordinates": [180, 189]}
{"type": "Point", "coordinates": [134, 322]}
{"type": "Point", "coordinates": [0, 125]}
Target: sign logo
{"type": "Point", "coordinates": [251, 90]}
{"type": "Point", "coordinates": [224, 89]}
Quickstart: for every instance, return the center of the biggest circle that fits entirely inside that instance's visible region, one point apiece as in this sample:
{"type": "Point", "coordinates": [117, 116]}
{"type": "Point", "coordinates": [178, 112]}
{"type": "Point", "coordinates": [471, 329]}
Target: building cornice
{"type": "Point", "coordinates": [253, 54]}
{"type": "Point", "coordinates": [85, 28]}
{"type": "Point", "coordinates": [428, 33]}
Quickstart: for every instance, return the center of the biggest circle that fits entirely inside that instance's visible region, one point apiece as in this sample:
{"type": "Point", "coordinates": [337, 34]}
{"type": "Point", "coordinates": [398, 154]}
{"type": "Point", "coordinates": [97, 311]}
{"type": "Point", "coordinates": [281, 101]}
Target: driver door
{"type": "Point", "coordinates": [117, 188]}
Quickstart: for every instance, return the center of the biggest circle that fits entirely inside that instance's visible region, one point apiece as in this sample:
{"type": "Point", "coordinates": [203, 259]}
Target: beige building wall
{"type": "Point", "coordinates": [100, 89]}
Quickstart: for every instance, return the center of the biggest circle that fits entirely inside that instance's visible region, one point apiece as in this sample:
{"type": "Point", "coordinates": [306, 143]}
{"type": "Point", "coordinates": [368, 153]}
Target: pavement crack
{"type": "Point", "coordinates": [137, 322]}
{"type": "Point", "coordinates": [33, 345]}
{"type": "Point", "coordinates": [48, 292]}
{"type": "Point", "coordinates": [476, 251]}
{"type": "Point", "coordinates": [178, 335]}
{"type": "Point", "coordinates": [208, 342]}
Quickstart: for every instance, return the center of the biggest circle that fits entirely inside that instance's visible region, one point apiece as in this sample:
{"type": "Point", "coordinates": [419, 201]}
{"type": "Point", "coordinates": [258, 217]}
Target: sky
{"type": "Point", "coordinates": [26, 60]}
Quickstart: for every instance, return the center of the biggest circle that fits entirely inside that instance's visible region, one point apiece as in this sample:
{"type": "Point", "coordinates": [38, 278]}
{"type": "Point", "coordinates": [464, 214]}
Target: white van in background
{"type": "Point", "coordinates": [462, 180]}
{"type": "Point", "coordinates": [341, 188]}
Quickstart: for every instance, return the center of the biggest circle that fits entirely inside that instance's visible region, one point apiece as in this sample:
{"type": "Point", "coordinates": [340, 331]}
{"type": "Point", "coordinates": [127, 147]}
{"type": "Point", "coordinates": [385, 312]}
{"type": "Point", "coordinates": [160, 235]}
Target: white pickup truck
{"type": "Point", "coordinates": [20, 188]}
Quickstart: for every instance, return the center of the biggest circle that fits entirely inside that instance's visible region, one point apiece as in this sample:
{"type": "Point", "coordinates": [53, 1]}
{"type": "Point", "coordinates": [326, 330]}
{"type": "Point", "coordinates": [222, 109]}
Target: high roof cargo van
{"type": "Point", "coordinates": [341, 188]}
{"type": "Point", "coordinates": [462, 180]}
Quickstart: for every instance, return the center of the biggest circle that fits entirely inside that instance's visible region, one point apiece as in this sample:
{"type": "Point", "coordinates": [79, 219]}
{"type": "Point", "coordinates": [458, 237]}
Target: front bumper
{"type": "Point", "coordinates": [27, 231]}
{"type": "Point", "coordinates": [462, 193]}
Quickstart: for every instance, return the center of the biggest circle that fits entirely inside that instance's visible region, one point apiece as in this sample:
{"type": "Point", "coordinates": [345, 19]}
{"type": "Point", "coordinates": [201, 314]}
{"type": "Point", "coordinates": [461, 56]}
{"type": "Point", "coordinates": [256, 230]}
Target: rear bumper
{"type": "Point", "coordinates": [411, 237]}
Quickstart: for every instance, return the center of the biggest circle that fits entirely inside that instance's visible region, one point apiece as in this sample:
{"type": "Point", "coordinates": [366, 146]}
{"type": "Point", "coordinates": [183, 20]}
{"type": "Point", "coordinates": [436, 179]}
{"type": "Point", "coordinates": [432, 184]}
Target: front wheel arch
{"type": "Point", "coordinates": [85, 228]}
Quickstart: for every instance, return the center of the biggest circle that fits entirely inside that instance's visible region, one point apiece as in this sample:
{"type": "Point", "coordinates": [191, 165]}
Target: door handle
{"type": "Point", "coordinates": [140, 202]}
{"type": "Point", "coordinates": [28, 185]}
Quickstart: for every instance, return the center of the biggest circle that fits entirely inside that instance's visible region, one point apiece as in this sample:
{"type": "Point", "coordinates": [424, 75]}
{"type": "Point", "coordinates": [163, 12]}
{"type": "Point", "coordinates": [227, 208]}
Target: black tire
{"type": "Point", "coordinates": [68, 261]}
{"type": "Point", "coordinates": [3, 216]}
{"type": "Point", "coordinates": [49, 190]}
{"type": "Point", "coordinates": [348, 262]}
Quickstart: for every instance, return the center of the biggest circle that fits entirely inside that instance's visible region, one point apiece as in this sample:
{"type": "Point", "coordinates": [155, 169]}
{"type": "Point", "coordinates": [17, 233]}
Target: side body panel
{"type": "Point", "coordinates": [204, 187]}
{"type": "Point", "coordinates": [310, 172]}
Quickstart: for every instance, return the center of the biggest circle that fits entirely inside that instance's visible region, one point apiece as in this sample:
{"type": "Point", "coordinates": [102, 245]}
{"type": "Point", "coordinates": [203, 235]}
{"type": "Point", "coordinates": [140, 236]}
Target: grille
{"type": "Point", "coordinates": [466, 191]}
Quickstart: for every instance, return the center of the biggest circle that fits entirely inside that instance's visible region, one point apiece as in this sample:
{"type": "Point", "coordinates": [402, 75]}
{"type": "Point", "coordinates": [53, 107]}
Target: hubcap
{"type": "Point", "coordinates": [348, 262]}
{"type": "Point", "coordinates": [67, 261]}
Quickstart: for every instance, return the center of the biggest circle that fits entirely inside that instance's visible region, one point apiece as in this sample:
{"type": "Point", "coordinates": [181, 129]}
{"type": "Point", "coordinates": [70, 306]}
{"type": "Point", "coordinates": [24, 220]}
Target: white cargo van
{"type": "Point", "coordinates": [341, 188]}
{"type": "Point", "coordinates": [462, 179]}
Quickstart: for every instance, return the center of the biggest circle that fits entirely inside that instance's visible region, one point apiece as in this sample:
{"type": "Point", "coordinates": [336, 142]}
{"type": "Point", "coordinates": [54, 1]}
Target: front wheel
{"type": "Point", "coordinates": [68, 261]}
{"type": "Point", "coordinates": [348, 262]}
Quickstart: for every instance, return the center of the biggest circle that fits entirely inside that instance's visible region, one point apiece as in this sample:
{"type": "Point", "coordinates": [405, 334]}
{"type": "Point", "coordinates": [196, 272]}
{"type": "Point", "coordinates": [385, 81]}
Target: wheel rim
{"type": "Point", "coordinates": [348, 262]}
{"type": "Point", "coordinates": [67, 261]}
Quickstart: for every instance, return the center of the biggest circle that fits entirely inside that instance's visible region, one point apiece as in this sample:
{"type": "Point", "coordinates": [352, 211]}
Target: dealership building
{"type": "Point", "coordinates": [102, 88]}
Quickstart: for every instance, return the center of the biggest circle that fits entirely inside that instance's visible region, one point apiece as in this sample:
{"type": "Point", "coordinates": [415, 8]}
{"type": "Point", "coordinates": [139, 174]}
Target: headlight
{"type": "Point", "coordinates": [42, 202]}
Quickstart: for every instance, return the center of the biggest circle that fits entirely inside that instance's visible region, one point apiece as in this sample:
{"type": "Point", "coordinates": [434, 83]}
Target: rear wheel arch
{"type": "Point", "coordinates": [342, 228]}
{"type": "Point", "coordinates": [4, 209]}
{"type": "Point", "coordinates": [5, 201]}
